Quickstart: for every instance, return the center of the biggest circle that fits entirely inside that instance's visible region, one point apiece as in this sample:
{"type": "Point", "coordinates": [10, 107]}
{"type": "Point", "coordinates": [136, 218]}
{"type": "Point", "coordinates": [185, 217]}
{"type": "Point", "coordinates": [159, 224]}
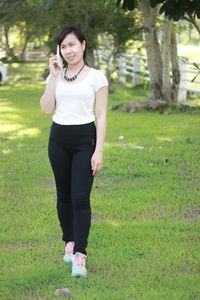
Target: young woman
{"type": "Point", "coordinates": [75, 94]}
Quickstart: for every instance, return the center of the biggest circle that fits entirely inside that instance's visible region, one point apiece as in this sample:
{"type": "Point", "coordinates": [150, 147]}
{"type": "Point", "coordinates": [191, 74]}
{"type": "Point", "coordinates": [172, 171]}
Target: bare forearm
{"type": "Point", "coordinates": [47, 101]}
{"type": "Point", "coordinates": [101, 132]}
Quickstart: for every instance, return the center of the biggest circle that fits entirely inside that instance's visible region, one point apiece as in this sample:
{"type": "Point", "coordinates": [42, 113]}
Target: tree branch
{"type": "Point", "coordinates": [190, 18]}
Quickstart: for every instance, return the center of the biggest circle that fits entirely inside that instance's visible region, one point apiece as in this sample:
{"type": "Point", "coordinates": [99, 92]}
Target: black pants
{"type": "Point", "coordinates": [70, 151]}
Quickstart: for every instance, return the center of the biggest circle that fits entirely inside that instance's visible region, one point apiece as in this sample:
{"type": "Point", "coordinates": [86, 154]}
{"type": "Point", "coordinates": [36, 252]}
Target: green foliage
{"type": "Point", "coordinates": [13, 12]}
{"type": "Point", "coordinates": [44, 18]}
{"type": "Point", "coordinates": [173, 9]}
{"type": "Point", "coordinates": [25, 17]}
{"type": "Point", "coordinates": [177, 9]}
{"type": "Point", "coordinates": [144, 239]}
{"type": "Point", "coordinates": [94, 17]}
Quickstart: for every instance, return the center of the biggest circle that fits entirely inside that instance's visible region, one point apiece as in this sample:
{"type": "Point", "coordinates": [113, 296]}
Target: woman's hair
{"type": "Point", "coordinates": [75, 29]}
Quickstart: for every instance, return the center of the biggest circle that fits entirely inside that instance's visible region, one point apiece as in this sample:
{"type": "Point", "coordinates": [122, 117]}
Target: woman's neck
{"type": "Point", "coordinates": [75, 67]}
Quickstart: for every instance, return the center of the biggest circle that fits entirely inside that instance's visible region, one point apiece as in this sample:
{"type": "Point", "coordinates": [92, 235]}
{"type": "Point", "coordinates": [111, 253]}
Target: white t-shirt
{"type": "Point", "coordinates": [75, 102]}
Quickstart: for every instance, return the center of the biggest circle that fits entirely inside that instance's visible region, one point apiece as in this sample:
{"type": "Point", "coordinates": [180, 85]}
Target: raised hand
{"type": "Point", "coordinates": [53, 66]}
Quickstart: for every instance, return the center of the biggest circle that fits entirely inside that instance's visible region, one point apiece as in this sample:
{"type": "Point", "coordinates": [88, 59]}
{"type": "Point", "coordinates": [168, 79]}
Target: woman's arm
{"type": "Point", "coordinates": [47, 101]}
{"type": "Point", "coordinates": [101, 113]}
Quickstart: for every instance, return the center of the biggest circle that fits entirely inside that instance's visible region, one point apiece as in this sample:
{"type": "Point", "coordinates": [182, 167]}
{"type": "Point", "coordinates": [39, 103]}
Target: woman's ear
{"type": "Point", "coordinates": [83, 45]}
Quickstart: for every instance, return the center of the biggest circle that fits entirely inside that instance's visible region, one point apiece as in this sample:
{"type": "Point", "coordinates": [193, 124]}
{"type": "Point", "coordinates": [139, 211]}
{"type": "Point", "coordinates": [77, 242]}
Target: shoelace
{"type": "Point", "coordinates": [69, 248]}
{"type": "Point", "coordinates": [80, 259]}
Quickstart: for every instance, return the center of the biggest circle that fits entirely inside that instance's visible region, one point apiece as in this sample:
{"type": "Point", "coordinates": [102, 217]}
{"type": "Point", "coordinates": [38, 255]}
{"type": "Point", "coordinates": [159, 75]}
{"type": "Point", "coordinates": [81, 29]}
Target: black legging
{"type": "Point", "coordinates": [70, 151]}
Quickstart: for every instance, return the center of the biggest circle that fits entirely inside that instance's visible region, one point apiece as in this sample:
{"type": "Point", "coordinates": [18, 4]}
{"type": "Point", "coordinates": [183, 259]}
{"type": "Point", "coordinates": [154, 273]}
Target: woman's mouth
{"type": "Point", "coordinates": [69, 57]}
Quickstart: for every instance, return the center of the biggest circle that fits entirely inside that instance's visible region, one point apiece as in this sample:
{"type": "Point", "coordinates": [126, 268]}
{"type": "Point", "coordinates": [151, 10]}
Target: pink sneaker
{"type": "Point", "coordinates": [78, 265]}
{"type": "Point", "coordinates": [69, 248]}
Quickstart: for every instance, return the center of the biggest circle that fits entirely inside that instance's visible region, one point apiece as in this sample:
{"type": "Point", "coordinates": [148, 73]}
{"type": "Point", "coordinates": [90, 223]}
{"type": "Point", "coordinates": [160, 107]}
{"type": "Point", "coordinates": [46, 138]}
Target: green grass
{"type": "Point", "coordinates": [144, 239]}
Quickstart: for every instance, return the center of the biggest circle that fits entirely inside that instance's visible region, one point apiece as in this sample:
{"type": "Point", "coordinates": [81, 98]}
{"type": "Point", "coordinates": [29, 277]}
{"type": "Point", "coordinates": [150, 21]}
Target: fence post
{"type": "Point", "coordinates": [182, 91]}
{"type": "Point", "coordinates": [136, 70]}
{"type": "Point", "coordinates": [26, 54]}
{"type": "Point", "coordinates": [122, 69]}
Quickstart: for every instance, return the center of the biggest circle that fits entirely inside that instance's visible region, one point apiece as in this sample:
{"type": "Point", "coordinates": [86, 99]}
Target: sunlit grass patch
{"type": "Point", "coordinates": [144, 239]}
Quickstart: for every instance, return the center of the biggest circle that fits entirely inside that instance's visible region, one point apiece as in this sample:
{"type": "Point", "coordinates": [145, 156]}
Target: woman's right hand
{"type": "Point", "coordinates": [53, 66]}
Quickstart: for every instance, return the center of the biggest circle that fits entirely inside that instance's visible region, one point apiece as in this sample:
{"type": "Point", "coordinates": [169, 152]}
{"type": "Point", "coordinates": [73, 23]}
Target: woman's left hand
{"type": "Point", "coordinates": [96, 162]}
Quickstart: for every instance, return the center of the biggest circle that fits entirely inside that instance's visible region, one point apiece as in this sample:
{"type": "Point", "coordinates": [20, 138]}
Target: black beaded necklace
{"type": "Point", "coordinates": [74, 77]}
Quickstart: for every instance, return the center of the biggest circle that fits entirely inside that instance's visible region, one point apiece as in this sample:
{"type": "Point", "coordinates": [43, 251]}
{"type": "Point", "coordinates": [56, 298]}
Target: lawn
{"type": "Point", "coordinates": [145, 236]}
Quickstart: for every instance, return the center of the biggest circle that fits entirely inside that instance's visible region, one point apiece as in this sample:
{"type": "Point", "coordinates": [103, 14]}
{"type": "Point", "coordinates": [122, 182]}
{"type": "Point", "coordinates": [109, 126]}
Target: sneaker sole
{"type": "Point", "coordinates": [78, 275]}
{"type": "Point", "coordinates": [67, 259]}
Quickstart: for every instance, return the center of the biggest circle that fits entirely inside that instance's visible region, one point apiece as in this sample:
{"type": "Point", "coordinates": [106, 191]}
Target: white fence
{"type": "Point", "coordinates": [135, 66]}
{"type": "Point", "coordinates": [36, 54]}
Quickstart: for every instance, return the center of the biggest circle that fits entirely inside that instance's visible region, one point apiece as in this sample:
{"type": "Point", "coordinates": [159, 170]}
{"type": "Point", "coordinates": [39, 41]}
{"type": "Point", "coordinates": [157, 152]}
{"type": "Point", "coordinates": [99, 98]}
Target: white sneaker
{"type": "Point", "coordinates": [78, 265]}
{"type": "Point", "coordinates": [69, 248]}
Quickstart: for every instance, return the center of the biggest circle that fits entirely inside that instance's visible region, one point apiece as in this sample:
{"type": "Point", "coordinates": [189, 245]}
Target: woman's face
{"type": "Point", "coordinates": [72, 49]}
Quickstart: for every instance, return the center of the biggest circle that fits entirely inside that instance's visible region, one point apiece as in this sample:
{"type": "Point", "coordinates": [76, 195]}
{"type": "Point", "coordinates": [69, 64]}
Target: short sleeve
{"type": "Point", "coordinates": [47, 79]}
{"type": "Point", "coordinates": [100, 80]}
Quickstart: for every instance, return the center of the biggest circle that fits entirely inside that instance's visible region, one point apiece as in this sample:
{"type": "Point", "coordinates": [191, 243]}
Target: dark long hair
{"type": "Point", "coordinates": [75, 29]}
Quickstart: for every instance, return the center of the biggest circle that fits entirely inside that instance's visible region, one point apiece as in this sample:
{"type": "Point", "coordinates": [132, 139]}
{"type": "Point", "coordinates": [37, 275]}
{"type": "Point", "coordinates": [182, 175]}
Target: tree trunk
{"type": "Point", "coordinates": [23, 51]}
{"type": "Point", "coordinates": [1, 35]}
{"type": "Point", "coordinates": [175, 67]}
{"type": "Point", "coordinates": [9, 50]}
{"type": "Point", "coordinates": [154, 60]}
{"type": "Point", "coordinates": [166, 58]}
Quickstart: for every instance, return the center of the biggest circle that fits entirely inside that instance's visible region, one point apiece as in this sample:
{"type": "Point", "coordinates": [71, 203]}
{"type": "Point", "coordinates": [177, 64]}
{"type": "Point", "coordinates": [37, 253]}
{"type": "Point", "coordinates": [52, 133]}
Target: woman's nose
{"type": "Point", "coordinates": [68, 50]}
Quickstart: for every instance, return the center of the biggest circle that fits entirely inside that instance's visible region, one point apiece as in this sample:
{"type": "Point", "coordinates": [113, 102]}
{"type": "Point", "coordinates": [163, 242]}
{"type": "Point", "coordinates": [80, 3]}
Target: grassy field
{"type": "Point", "coordinates": [145, 236]}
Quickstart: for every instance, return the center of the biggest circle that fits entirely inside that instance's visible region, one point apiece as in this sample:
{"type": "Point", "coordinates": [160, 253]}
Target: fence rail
{"type": "Point", "coordinates": [135, 66]}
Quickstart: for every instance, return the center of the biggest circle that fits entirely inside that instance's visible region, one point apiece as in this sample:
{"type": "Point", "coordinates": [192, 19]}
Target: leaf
{"type": "Point", "coordinates": [195, 77]}
{"type": "Point", "coordinates": [178, 14]}
{"type": "Point", "coordinates": [162, 9]}
{"type": "Point", "coordinates": [171, 4]}
{"type": "Point", "coordinates": [197, 10]}
{"type": "Point", "coordinates": [196, 66]}
{"type": "Point", "coordinates": [153, 3]}
{"type": "Point", "coordinates": [129, 4]}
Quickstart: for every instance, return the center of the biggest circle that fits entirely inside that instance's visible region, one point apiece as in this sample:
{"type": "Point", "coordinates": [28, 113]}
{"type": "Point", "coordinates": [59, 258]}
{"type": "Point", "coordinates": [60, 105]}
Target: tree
{"type": "Point", "coordinates": [100, 20]}
{"type": "Point", "coordinates": [25, 15]}
{"type": "Point", "coordinates": [96, 18]}
{"type": "Point", "coordinates": [159, 57]}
